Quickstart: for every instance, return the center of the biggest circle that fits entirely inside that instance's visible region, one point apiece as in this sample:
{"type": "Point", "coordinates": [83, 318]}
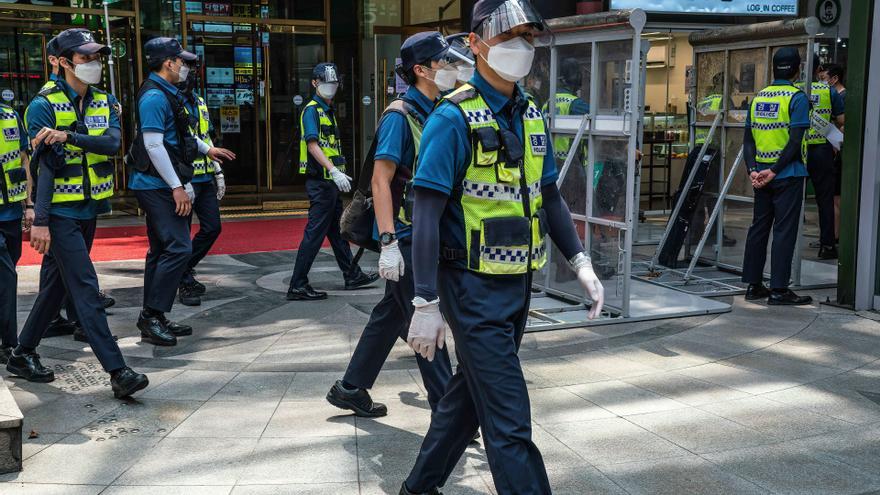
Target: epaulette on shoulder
{"type": "Point", "coordinates": [461, 94]}
{"type": "Point", "coordinates": [49, 90]}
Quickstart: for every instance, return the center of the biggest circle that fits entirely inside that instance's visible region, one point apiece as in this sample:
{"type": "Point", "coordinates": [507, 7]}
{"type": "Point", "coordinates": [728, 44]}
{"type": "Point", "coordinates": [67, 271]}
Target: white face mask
{"type": "Point", "coordinates": [183, 73]}
{"type": "Point", "coordinates": [90, 72]}
{"type": "Point", "coordinates": [512, 59]}
{"type": "Point", "coordinates": [445, 78]}
{"type": "Point", "coordinates": [465, 73]}
{"type": "Point", "coordinates": [327, 90]}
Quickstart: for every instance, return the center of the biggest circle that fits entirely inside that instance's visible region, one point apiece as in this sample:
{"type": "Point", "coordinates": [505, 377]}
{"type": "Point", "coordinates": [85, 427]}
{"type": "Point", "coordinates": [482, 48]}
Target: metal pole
{"type": "Point", "coordinates": [808, 88]}
{"type": "Point", "coordinates": [719, 205]}
{"type": "Point", "coordinates": [109, 44]}
{"type": "Point", "coordinates": [574, 145]}
{"type": "Point", "coordinates": [685, 189]}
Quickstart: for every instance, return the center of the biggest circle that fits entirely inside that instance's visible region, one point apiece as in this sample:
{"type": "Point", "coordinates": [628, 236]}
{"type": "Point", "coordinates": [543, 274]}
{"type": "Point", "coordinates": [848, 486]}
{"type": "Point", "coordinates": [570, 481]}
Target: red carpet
{"type": "Point", "coordinates": [249, 236]}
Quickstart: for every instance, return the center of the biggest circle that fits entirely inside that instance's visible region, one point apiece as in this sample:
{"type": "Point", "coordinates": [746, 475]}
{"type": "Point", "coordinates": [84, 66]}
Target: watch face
{"type": "Point", "coordinates": [386, 238]}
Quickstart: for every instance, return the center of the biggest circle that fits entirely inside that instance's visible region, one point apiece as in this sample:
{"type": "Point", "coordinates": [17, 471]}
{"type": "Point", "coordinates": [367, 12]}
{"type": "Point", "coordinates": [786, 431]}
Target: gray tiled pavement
{"type": "Point", "coordinates": [759, 400]}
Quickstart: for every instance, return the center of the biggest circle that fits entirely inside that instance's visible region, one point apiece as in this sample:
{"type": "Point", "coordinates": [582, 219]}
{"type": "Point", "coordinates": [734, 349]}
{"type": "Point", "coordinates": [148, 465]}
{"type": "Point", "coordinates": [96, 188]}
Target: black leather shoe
{"type": "Point", "coordinates": [197, 288]}
{"type": "Point", "coordinates": [306, 293]}
{"type": "Point", "coordinates": [106, 301]}
{"type": "Point", "coordinates": [176, 329]}
{"type": "Point", "coordinates": [80, 335]}
{"type": "Point", "coordinates": [187, 297]}
{"type": "Point", "coordinates": [756, 292]}
{"type": "Point", "coordinates": [405, 491]}
{"type": "Point", "coordinates": [59, 326]}
{"type": "Point", "coordinates": [29, 367]}
{"type": "Point", "coordinates": [5, 354]}
{"type": "Point", "coordinates": [787, 297]}
{"type": "Point", "coordinates": [358, 401]}
{"type": "Point", "coordinates": [127, 381]}
{"type": "Point", "coordinates": [361, 280]}
{"type": "Point", "coordinates": [154, 332]}
{"type": "Point", "coordinates": [827, 253]}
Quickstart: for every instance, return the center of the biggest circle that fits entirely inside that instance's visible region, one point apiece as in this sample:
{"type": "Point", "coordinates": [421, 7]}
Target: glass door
{"type": "Point", "coordinates": [22, 55]}
{"type": "Point", "coordinates": [231, 81]}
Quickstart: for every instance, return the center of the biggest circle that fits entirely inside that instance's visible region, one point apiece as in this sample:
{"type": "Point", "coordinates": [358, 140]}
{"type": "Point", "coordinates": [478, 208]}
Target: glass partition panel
{"type": "Point", "coordinates": [710, 85]}
{"type": "Point", "coordinates": [614, 76]}
{"type": "Point", "coordinates": [746, 77]}
{"type": "Point", "coordinates": [610, 179]}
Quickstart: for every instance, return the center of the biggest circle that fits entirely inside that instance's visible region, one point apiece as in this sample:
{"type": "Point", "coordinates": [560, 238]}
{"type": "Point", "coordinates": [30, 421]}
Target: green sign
{"type": "Point", "coordinates": [117, 48]}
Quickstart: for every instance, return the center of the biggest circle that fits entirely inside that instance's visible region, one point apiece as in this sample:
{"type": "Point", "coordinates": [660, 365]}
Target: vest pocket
{"type": "Point", "coordinates": [506, 231]}
{"type": "Point", "coordinates": [16, 176]}
{"type": "Point", "coordinates": [338, 161]}
{"type": "Point", "coordinates": [69, 171]}
{"type": "Point", "coordinates": [488, 145]}
{"type": "Point", "coordinates": [103, 169]}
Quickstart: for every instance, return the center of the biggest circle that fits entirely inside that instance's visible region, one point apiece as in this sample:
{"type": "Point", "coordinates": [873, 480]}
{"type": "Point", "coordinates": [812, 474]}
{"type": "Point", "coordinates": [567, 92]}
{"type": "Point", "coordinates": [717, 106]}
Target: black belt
{"type": "Point", "coordinates": [449, 254]}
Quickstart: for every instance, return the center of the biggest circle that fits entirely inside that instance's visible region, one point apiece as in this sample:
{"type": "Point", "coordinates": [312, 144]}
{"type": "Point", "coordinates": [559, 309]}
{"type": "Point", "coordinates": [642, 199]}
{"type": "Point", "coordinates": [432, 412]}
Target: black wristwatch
{"type": "Point", "coordinates": [387, 238]}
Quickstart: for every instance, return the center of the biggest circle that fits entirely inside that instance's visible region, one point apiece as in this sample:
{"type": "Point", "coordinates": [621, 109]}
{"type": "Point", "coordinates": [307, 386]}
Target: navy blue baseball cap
{"type": "Point", "coordinates": [492, 17]}
{"type": "Point", "coordinates": [422, 47]}
{"type": "Point", "coordinates": [158, 49]}
{"type": "Point", "coordinates": [79, 40]}
{"type": "Point", "coordinates": [326, 72]}
{"type": "Point", "coordinates": [52, 47]}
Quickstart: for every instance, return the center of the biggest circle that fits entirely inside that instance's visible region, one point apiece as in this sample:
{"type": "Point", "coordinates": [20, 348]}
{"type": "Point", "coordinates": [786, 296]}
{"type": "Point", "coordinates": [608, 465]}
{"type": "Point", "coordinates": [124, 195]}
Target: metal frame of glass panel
{"type": "Point", "coordinates": [763, 37]}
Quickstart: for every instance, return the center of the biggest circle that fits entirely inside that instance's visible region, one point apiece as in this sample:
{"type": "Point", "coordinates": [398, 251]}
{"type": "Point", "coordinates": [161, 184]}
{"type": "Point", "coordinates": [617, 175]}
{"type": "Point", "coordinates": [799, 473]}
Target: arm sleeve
{"type": "Point", "coordinates": [310, 124]}
{"type": "Point", "coordinates": [153, 141]}
{"type": "Point", "coordinates": [792, 151]}
{"type": "Point", "coordinates": [105, 144]}
{"type": "Point", "coordinates": [430, 205]}
{"type": "Point", "coordinates": [562, 230]}
{"type": "Point", "coordinates": [204, 148]}
{"type": "Point", "coordinates": [44, 190]}
{"type": "Point", "coordinates": [750, 149]}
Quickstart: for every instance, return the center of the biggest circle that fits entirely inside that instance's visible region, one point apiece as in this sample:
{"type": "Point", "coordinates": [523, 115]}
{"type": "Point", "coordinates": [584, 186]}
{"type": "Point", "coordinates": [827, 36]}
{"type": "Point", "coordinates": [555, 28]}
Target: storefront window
{"type": "Point", "coordinates": [160, 18]}
{"type": "Point", "coordinates": [747, 76]}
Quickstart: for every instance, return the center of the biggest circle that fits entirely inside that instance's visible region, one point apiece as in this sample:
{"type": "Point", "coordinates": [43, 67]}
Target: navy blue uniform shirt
{"type": "Point", "coordinates": [446, 153]}
{"type": "Point", "coordinates": [156, 115]}
{"type": "Point", "coordinates": [395, 142]}
{"type": "Point", "coordinates": [39, 114]}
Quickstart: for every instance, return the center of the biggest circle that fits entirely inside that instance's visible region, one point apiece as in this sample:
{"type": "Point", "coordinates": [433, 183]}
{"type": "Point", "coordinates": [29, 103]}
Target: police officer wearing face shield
{"type": "Point", "coordinates": [774, 151]}
{"type": "Point", "coordinates": [162, 157]}
{"type": "Point", "coordinates": [485, 196]}
{"type": "Point", "coordinates": [427, 67]}
{"type": "Point", "coordinates": [74, 130]}
{"type": "Point", "coordinates": [322, 162]}
{"type": "Point", "coordinates": [461, 58]}
{"type": "Point", "coordinates": [209, 186]}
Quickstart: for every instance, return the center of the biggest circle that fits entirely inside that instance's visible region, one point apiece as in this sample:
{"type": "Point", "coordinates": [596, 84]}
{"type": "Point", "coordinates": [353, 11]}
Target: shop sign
{"type": "Point", "coordinates": [828, 12]}
{"type": "Point", "coordinates": [218, 8]}
{"type": "Point", "coordinates": [729, 7]}
{"type": "Point", "coordinates": [7, 95]}
{"type": "Point", "coordinates": [298, 100]}
{"type": "Point", "coordinates": [230, 120]}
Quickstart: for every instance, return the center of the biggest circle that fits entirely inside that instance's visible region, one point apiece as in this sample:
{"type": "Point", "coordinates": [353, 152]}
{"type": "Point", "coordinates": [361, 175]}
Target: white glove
{"type": "Point", "coordinates": [220, 182]}
{"type": "Point", "coordinates": [582, 265]}
{"type": "Point", "coordinates": [188, 188]}
{"type": "Point", "coordinates": [391, 264]}
{"type": "Point", "coordinates": [343, 182]}
{"type": "Point", "coordinates": [427, 329]}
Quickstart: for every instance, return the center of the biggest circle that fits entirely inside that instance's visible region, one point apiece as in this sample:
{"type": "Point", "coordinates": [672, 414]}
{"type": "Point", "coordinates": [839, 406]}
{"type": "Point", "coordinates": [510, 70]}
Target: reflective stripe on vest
{"type": "Point", "coordinates": [503, 232]}
{"type": "Point", "coordinates": [329, 142]}
{"type": "Point", "coordinates": [14, 176]}
{"type": "Point", "coordinates": [415, 129]}
{"type": "Point", "coordinates": [561, 143]}
{"type": "Point", "coordinates": [820, 98]}
{"type": "Point", "coordinates": [98, 167]}
{"type": "Point", "coordinates": [710, 105]}
{"type": "Point", "coordinates": [202, 164]}
{"type": "Point", "coordinates": [770, 120]}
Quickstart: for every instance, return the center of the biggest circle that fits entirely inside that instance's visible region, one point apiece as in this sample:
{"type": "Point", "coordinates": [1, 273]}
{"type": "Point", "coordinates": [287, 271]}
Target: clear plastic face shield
{"type": "Point", "coordinates": [460, 57]}
{"type": "Point", "coordinates": [509, 35]}
{"type": "Point", "coordinates": [508, 16]}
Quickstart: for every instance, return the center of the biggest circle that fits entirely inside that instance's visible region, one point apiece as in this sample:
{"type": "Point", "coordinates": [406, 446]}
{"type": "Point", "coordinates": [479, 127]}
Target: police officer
{"type": "Point", "coordinates": [461, 58]}
{"type": "Point", "coordinates": [827, 105]}
{"type": "Point", "coordinates": [773, 149]}
{"type": "Point", "coordinates": [485, 195]}
{"type": "Point", "coordinates": [209, 187]}
{"type": "Point", "coordinates": [321, 161]}
{"type": "Point", "coordinates": [162, 156]}
{"type": "Point", "coordinates": [709, 105]}
{"type": "Point", "coordinates": [74, 129]}
{"type": "Point", "coordinates": [834, 75]}
{"type": "Point", "coordinates": [567, 103]}
{"type": "Point", "coordinates": [427, 68]}
{"type": "Point", "coordinates": [15, 203]}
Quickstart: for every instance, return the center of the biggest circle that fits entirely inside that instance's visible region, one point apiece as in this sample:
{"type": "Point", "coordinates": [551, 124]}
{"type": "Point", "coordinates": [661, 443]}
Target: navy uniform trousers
{"type": "Point", "coordinates": [10, 252]}
{"type": "Point", "coordinates": [777, 207]}
{"type": "Point", "coordinates": [820, 165]}
{"type": "Point", "coordinates": [389, 321]}
{"type": "Point", "coordinates": [207, 208]}
{"type": "Point", "coordinates": [69, 262]}
{"type": "Point", "coordinates": [487, 316]}
{"type": "Point", "coordinates": [170, 248]}
{"type": "Point", "coordinates": [325, 211]}
{"type": "Point", "coordinates": [53, 284]}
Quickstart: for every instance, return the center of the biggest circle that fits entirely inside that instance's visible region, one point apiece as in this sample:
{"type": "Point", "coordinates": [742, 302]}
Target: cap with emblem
{"type": "Point", "coordinates": [493, 17]}
{"type": "Point", "coordinates": [157, 50]}
{"type": "Point", "coordinates": [459, 49]}
{"type": "Point", "coordinates": [423, 47]}
{"type": "Point", "coordinates": [786, 62]}
{"type": "Point", "coordinates": [79, 40]}
{"type": "Point", "coordinates": [325, 72]}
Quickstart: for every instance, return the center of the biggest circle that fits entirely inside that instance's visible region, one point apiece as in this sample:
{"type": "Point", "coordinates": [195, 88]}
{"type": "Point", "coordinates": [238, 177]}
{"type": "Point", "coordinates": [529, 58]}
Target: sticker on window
{"type": "Point", "coordinates": [538, 143]}
{"type": "Point", "coordinates": [10, 133]}
{"type": "Point", "coordinates": [96, 121]}
{"type": "Point", "coordinates": [767, 110]}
